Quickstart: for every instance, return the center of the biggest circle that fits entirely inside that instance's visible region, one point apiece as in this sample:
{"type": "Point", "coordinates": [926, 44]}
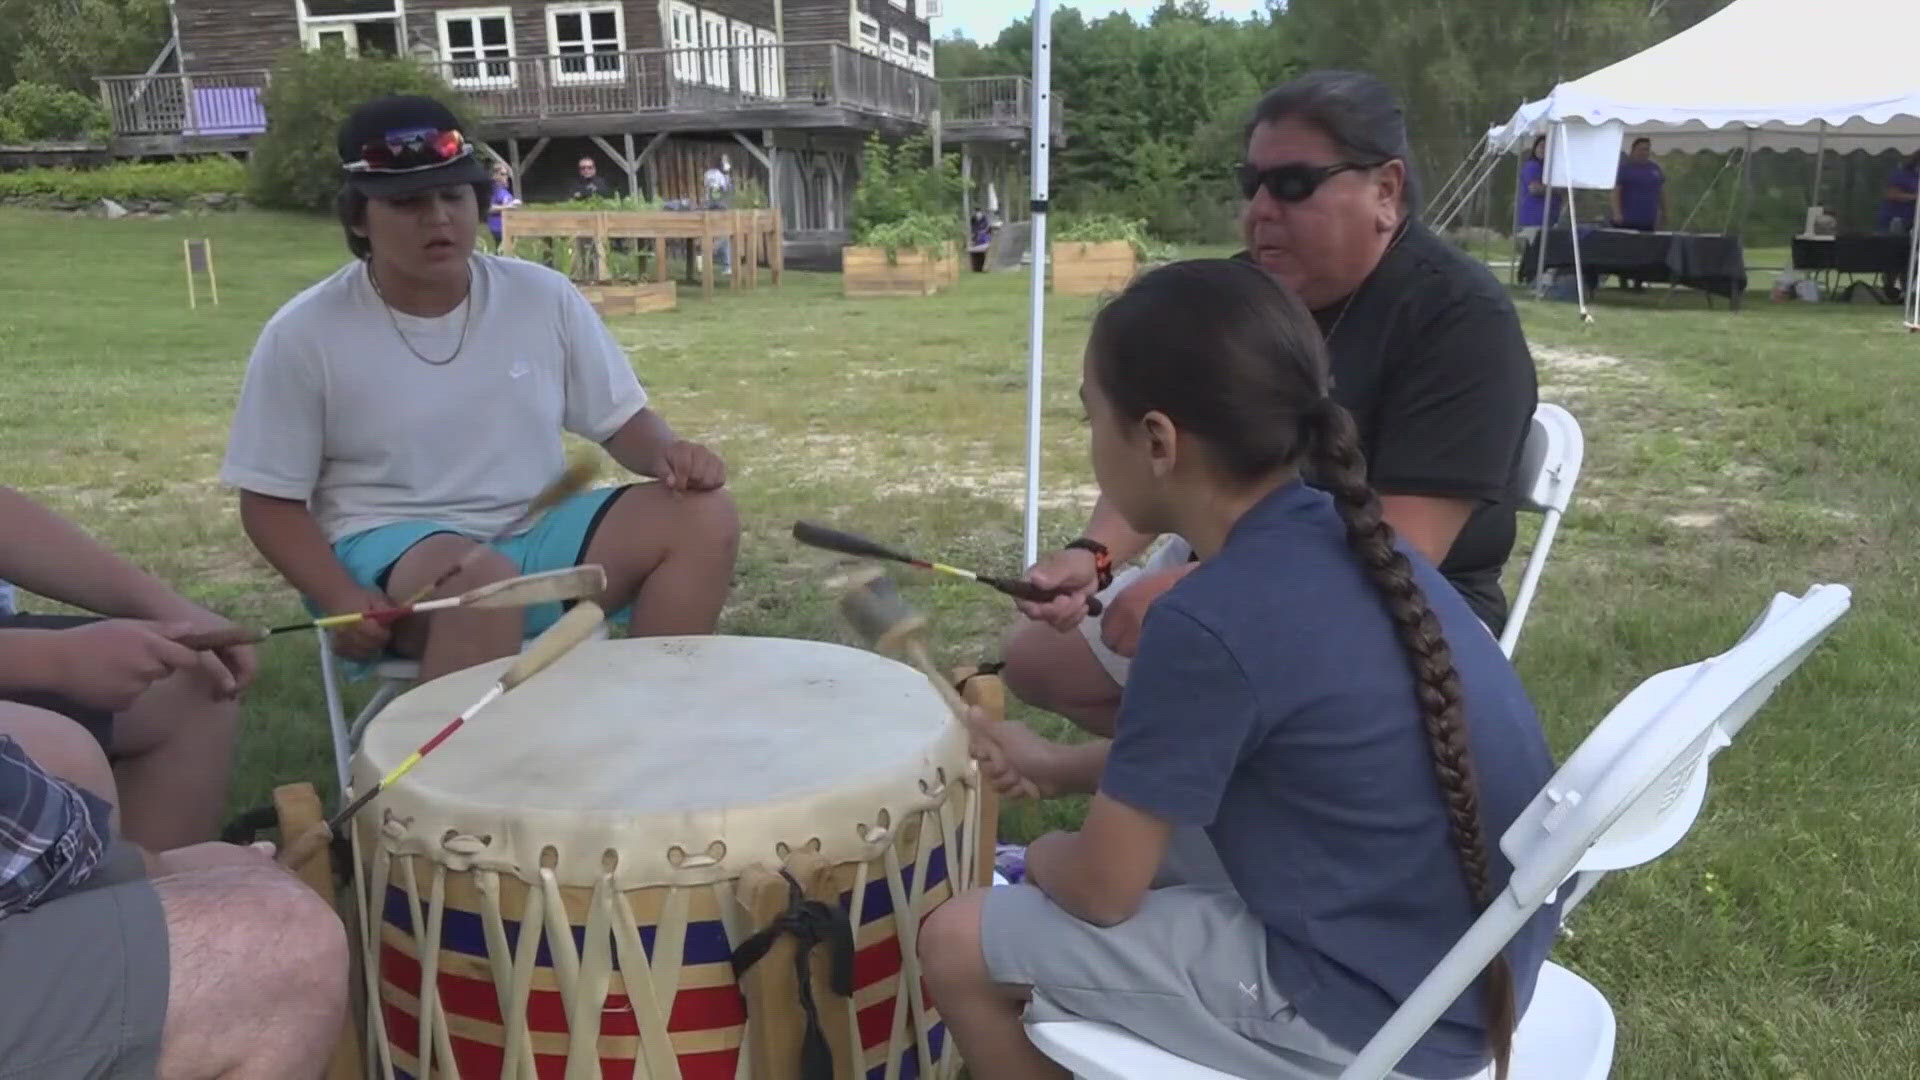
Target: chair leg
{"type": "Point", "coordinates": [336, 715]}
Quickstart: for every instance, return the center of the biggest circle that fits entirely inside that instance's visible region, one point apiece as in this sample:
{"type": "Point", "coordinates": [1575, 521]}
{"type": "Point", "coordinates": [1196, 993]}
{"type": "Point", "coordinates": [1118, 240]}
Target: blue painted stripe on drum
{"type": "Point", "coordinates": [910, 1060]}
{"type": "Point", "coordinates": [879, 903]}
{"type": "Point", "coordinates": [461, 932]}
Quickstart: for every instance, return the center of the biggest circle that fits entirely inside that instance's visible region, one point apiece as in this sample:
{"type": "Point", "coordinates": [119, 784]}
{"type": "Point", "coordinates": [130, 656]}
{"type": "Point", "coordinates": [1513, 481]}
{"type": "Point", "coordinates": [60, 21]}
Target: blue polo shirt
{"type": "Point", "coordinates": [1272, 704]}
{"type": "Point", "coordinates": [1640, 183]}
{"type": "Point", "coordinates": [1891, 210]}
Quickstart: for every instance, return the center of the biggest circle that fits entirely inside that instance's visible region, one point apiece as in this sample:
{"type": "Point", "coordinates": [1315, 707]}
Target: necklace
{"type": "Point", "coordinates": [466, 319]}
{"type": "Point", "coordinates": [1399, 232]}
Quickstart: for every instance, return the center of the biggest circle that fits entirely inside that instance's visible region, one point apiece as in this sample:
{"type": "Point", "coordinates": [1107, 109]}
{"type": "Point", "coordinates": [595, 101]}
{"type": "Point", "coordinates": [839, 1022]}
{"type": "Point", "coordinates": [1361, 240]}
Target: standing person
{"type": "Point", "coordinates": [718, 182]}
{"type": "Point", "coordinates": [1428, 356]}
{"type": "Point", "coordinates": [588, 183]}
{"type": "Point", "coordinates": [1639, 195]}
{"type": "Point", "coordinates": [1317, 752]}
{"type": "Point", "coordinates": [1897, 201]}
{"type": "Point", "coordinates": [1532, 196]}
{"type": "Point", "coordinates": [203, 962]}
{"type": "Point", "coordinates": [412, 404]}
{"type": "Point", "coordinates": [503, 197]}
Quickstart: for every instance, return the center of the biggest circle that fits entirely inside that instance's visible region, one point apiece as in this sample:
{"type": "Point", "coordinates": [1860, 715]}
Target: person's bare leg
{"type": "Point", "coordinates": [983, 1016]}
{"type": "Point", "coordinates": [173, 752]}
{"type": "Point", "coordinates": [1059, 673]}
{"type": "Point", "coordinates": [62, 748]}
{"type": "Point", "coordinates": [457, 638]}
{"type": "Point", "coordinates": [257, 981]}
{"type": "Point", "coordinates": [669, 555]}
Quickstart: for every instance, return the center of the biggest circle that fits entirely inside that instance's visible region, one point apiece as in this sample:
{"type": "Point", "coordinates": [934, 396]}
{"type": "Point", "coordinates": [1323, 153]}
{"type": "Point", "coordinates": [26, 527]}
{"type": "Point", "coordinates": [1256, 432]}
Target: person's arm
{"type": "Point", "coordinates": [1106, 526]}
{"type": "Point", "coordinates": [290, 539]}
{"type": "Point", "coordinates": [44, 553]}
{"type": "Point", "coordinates": [1188, 719]}
{"type": "Point", "coordinates": [53, 833]}
{"type": "Point", "coordinates": [1451, 422]}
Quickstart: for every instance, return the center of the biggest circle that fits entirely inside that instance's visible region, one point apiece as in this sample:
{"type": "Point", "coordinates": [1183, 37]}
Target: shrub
{"type": "Point", "coordinates": [903, 197]}
{"type": "Point", "coordinates": [33, 112]}
{"type": "Point", "coordinates": [295, 164]}
{"type": "Point", "coordinates": [175, 180]}
{"type": "Point", "coordinates": [1100, 228]}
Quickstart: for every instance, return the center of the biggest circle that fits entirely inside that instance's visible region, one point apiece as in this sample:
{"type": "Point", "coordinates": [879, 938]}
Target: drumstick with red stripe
{"type": "Point", "coordinates": [556, 641]}
{"type": "Point", "coordinates": [847, 543]}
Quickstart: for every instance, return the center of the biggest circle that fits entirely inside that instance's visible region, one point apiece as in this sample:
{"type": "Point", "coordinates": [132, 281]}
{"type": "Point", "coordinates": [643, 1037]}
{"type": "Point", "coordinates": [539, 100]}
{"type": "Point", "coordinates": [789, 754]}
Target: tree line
{"type": "Point", "coordinates": [1155, 106]}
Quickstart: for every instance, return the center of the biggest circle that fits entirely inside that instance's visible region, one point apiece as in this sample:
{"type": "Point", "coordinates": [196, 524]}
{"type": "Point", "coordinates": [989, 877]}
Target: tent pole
{"type": "Point", "coordinates": [1819, 161]}
{"type": "Point", "coordinates": [1040, 138]}
{"type": "Point", "coordinates": [1746, 185]}
{"type": "Point", "coordinates": [1573, 230]}
{"type": "Point", "coordinates": [1546, 211]}
{"type": "Point", "coordinates": [1911, 297]}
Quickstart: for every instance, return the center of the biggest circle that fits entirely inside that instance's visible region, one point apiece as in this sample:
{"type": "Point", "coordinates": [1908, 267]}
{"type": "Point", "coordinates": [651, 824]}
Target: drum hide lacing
{"type": "Point", "coordinates": [811, 922]}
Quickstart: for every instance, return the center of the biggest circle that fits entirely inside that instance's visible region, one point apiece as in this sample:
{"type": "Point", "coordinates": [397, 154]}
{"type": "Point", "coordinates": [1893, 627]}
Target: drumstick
{"type": "Point", "coordinates": [874, 607]}
{"type": "Point", "coordinates": [556, 641]}
{"type": "Point", "coordinates": [571, 482]}
{"type": "Point", "coordinates": [852, 544]}
{"type": "Point", "coordinates": [570, 583]}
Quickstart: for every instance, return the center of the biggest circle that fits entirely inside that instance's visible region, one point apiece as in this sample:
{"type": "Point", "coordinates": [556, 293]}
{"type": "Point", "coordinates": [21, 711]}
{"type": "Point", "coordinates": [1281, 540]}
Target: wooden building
{"type": "Point", "coordinates": [782, 92]}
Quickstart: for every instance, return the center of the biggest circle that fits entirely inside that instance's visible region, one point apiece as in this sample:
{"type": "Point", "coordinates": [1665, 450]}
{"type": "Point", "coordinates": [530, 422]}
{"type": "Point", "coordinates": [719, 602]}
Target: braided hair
{"type": "Point", "coordinates": [1228, 353]}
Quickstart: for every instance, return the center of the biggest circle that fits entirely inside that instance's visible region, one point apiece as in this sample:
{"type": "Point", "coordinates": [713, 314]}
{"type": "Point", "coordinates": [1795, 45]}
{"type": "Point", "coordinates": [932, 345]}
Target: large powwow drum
{"type": "Point", "coordinates": [618, 869]}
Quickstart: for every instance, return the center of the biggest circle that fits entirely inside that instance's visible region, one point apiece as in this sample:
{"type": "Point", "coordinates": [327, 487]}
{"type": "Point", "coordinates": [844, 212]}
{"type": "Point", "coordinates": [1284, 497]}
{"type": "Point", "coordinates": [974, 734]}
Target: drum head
{"type": "Point", "coordinates": [654, 726]}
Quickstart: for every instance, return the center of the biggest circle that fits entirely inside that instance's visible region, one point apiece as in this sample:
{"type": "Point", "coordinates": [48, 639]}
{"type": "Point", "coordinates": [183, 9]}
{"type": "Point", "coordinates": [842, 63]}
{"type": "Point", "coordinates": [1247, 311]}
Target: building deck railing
{"type": "Point", "coordinates": [636, 81]}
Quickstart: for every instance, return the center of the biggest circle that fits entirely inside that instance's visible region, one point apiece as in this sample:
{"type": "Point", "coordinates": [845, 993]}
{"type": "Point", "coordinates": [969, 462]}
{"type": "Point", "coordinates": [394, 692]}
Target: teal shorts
{"type": "Point", "coordinates": [559, 539]}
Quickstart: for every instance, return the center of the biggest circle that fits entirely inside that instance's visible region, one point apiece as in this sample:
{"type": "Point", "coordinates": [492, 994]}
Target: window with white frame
{"type": "Point", "coordinates": [923, 52]}
{"type": "Point", "coordinates": [589, 39]}
{"type": "Point", "coordinates": [740, 57]}
{"type": "Point", "coordinates": [901, 4]}
{"type": "Point", "coordinates": [869, 36]}
{"type": "Point", "coordinates": [477, 46]}
{"type": "Point", "coordinates": [771, 69]}
{"type": "Point", "coordinates": [684, 23]}
{"type": "Point", "coordinates": [898, 48]}
{"type": "Point", "coordinates": [713, 39]}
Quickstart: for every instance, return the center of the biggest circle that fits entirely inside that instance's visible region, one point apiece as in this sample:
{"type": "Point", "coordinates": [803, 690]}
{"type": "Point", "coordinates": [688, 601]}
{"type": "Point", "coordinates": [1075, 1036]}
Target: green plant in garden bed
{"type": "Point", "coordinates": [904, 202]}
{"type": "Point", "coordinates": [174, 180]}
{"type": "Point", "coordinates": [1105, 228]}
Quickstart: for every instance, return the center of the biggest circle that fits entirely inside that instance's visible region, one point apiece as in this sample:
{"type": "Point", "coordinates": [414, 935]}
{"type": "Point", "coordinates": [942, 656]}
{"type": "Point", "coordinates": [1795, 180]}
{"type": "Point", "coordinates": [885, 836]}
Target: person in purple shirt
{"type": "Point", "coordinates": [1896, 205]}
{"type": "Point", "coordinates": [1639, 196]}
{"type": "Point", "coordinates": [503, 196]}
{"type": "Point", "coordinates": [1533, 193]}
{"type": "Point", "coordinates": [1639, 190]}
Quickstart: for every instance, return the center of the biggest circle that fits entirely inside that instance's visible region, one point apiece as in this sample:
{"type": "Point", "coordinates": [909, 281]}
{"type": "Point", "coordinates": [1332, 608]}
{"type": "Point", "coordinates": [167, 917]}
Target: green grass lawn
{"type": "Point", "coordinates": [1728, 456]}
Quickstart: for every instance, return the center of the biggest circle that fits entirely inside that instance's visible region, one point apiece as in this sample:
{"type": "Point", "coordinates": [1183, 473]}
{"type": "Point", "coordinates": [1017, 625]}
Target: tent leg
{"type": "Point", "coordinates": [1040, 139]}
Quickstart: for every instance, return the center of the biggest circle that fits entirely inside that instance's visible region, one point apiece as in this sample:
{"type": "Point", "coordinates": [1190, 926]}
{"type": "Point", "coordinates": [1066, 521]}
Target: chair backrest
{"type": "Point", "coordinates": [1627, 795]}
{"type": "Point", "coordinates": [1550, 463]}
{"type": "Point", "coordinates": [1550, 459]}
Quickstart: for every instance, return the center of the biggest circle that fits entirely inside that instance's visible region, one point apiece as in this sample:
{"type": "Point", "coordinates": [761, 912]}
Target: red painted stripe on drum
{"type": "Point", "coordinates": [704, 1008]}
{"type": "Point", "coordinates": [485, 1059]}
{"type": "Point", "coordinates": [876, 1024]}
{"type": "Point", "coordinates": [877, 962]}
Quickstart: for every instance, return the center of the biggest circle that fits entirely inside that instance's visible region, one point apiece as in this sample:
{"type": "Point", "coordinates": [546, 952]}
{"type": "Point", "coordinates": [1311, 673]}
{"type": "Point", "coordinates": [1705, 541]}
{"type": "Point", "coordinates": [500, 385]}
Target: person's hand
{"type": "Point", "coordinates": [1073, 575]}
{"type": "Point", "coordinates": [1015, 759]}
{"type": "Point", "coordinates": [107, 665]}
{"type": "Point", "coordinates": [364, 639]}
{"type": "Point", "coordinates": [1120, 624]}
{"type": "Point", "coordinates": [231, 669]}
{"type": "Point", "coordinates": [688, 466]}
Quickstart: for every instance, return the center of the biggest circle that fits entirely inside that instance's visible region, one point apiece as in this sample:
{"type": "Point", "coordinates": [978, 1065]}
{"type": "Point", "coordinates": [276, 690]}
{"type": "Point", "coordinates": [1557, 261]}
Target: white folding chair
{"type": "Point", "coordinates": [394, 675]}
{"type": "Point", "coordinates": [1549, 469]}
{"type": "Point", "coordinates": [1626, 796]}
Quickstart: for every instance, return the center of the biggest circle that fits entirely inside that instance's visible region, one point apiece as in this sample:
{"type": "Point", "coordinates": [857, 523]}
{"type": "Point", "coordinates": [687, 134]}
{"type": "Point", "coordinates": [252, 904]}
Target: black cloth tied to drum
{"type": "Point", "coordinates": [811, 922]}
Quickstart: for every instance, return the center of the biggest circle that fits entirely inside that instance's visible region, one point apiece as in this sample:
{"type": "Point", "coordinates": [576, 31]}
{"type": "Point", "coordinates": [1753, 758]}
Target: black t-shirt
{"type": "Point", "coordinates": [1430, 359]}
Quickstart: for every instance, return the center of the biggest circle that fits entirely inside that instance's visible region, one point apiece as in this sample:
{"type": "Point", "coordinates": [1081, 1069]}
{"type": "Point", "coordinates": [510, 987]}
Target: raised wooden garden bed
{"type": "Point", "coordinates": [755, 236]}
{"type": "Point", "coordinates": [631, 298]}
{"type": "Point", "coordinates": [1089, 268]}
{"type": "Point", "coordinates": [866, 271]}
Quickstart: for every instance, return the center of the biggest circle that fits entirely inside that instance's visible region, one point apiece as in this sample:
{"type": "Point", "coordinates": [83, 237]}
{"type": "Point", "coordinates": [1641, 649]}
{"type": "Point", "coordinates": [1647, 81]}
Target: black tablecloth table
{"type": "Point", "coordinates": [1711, 263]}
{"type": "Point", "coordinates": [1855, 255]}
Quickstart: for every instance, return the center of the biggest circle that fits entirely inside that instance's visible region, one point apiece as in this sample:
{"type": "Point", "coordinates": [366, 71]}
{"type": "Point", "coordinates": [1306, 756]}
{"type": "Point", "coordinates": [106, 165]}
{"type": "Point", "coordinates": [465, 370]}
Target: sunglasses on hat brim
{"type": "Point", "coordinates": [410, 151]}
{"type": "Point", "coordinates": [1293, 182]}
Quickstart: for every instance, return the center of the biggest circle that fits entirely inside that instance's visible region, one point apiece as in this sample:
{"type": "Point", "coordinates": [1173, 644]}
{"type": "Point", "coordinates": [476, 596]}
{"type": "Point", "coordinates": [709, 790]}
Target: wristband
{"type": "Point", "coordinates": [1102, 560]}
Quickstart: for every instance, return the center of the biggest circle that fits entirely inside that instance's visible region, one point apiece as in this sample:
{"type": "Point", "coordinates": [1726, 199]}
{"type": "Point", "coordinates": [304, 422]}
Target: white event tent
{"type": "Point", "coordinates": [1758, 74]}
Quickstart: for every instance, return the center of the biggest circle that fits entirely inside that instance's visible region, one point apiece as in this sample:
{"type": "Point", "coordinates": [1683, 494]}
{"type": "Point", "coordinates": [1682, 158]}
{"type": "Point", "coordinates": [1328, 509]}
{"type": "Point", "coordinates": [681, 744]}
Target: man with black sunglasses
{"type": "Point", "coordinates": [1427, 353]}
{"type": "Point", "coordinates": [413, 404]}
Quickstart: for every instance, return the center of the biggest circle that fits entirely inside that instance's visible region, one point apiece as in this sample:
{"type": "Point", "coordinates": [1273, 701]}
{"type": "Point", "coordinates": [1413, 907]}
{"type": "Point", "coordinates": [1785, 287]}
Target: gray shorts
{"type": "Point", "coordinates": [1188, 973]}
{"type": "Point", "coordinates": [1171, 553]}
{"type": "Point", "coordinates": [83, 980]}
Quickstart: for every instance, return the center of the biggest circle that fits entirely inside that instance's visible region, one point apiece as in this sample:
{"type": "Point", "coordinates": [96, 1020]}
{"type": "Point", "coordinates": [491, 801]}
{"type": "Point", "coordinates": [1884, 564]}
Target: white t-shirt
{"type": "Point", "coordinates": [336, 411]}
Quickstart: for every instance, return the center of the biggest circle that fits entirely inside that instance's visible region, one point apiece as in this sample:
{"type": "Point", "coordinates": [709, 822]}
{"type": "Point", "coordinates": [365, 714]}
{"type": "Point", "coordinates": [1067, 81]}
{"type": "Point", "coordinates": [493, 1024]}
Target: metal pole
{"type": "Point", "coordinates": [1040, 139]}
{"type": "Point", "coordinates": [1819, 161]}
